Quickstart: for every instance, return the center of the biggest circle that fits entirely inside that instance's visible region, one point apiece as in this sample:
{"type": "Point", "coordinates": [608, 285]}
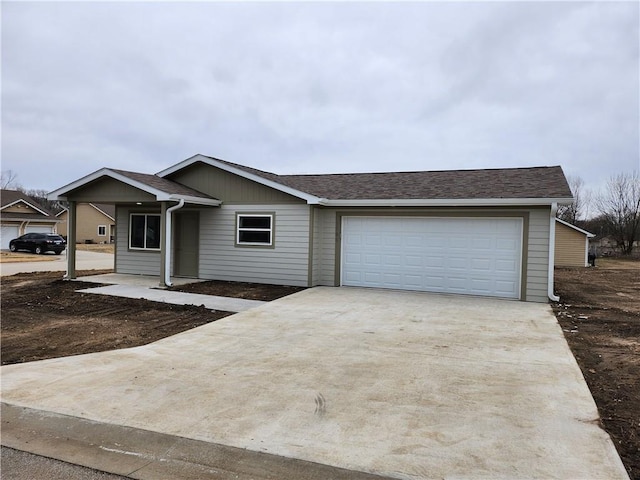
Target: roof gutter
{"type": "Point", "coordinates": [443, 202]}
{"type": "Point", "coordinates": [552, 252]}
{"type": "Point", "coordinates": [167, 246]}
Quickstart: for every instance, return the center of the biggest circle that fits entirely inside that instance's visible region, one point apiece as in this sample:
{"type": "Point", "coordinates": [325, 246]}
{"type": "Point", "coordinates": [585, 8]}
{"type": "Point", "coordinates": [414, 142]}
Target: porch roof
{"type": "Point", "coordinates": [161, 188]}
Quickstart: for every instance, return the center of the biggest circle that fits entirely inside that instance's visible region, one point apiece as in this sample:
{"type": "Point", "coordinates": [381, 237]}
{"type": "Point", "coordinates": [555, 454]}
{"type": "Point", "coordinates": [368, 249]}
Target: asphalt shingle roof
{"type": "Point", "coordinates": [8, 197]}
{"type": "Point", "coordinates": [539, 182]}
{"type": "Point", "coordinates": [532, 182]}
{"type": "Point", "coordinates": [162, 184]}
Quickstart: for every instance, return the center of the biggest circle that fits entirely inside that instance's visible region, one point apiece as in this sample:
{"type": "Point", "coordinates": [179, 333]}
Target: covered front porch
{"type": "Point", "coordinates": [156, 227]}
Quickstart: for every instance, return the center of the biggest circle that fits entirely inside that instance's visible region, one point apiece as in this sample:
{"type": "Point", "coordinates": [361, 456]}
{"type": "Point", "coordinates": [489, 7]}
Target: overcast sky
{"type": "Point", "coordinates": [319, 87]}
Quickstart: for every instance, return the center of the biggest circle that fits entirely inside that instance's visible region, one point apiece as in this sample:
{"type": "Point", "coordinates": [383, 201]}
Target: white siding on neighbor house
{"type": "Point", "coordinates": [538, 255]}
{"type": "Point", "coordinates": [287, 263]}
{"type": "Point", "coordinates": [135, 262]}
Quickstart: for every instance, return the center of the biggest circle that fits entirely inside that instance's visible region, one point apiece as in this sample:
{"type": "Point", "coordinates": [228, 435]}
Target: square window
{"type": "Point", "coordinates": [144, 231]}
{"type": "Point", "coordinates": [102, 230]}
{"type": "Point", "coordinates": [255, 229]}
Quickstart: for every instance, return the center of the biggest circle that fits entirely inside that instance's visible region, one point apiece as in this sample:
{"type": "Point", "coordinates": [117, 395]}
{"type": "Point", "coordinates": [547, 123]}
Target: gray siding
{"type": "Point", "coordinates": [134, 262]}
{"type": "Point", "coordinates": [538, 255]}
{"type": "Point", "coordinates": [325, 247]}
{"type": "Point", "coordinates": [109, 190]}
{"type": "Point", "coordinates": [287, 263]}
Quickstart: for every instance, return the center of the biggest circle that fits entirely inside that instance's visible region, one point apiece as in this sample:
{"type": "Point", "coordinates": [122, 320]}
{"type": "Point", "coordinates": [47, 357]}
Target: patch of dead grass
{"type": "Point", "coordinates": [19, 257]}
{"type": "Point", "coordinates": [96, 247]}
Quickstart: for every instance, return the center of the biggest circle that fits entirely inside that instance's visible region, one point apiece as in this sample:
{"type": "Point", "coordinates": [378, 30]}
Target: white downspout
{"type": "Point", "coordinates": [552, 251]}
{"type": "Point", "coordinates": [167, 251]}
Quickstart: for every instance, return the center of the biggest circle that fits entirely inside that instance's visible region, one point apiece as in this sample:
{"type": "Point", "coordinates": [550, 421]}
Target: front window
{"type": "Point", "coordinates": [102, 230]}
{"type": "Point", "coordinates": [255, 229]}
{"type": "Point", "coordinates": [144, 231]}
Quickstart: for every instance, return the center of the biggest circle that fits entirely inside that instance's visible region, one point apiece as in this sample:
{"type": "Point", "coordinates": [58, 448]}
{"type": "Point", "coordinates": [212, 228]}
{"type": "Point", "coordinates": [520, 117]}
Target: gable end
{"type": "Point", "coordinates": [228, 187]}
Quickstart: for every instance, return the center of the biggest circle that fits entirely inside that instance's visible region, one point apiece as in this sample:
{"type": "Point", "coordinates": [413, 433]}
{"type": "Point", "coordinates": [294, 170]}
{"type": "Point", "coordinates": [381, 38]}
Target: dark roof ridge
{"type": "Point", "coordinates": [402, 172]}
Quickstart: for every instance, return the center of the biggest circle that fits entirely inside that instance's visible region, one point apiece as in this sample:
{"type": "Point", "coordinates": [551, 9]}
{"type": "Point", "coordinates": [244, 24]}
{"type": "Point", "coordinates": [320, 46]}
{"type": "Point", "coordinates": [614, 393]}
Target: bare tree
{"type": "Point", "coordinates": [40, 196]}
{"type": "Point", "coordinates": [619, 206]}
{"type": "Point", "coordinates": [580, 208]}
{"type": "Point", "coordinates": [8, 179]}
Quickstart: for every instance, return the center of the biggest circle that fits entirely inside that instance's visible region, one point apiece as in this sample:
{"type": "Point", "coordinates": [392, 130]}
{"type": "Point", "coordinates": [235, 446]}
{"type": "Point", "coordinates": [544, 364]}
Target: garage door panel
{"type": "Point", "coordinates": [414, 241]}
{"type": "Point", "coordinates": [482, 243]}
{"type": "Point", "coordinates": [504, 287]}
{"type": "Point", "coordinates": [373, 278]}
{"type": "Point", "coordinates": [8, 233]}
{"type": "Point", "coordinates": [507, 244]}
{"type": "Point", "coordinates": [481, 265]}
{"type": "Point", "coordinates": [506, 266]}
{"type": "Point", "coordinates": [38, 229]}
{"type": "Point", "coordinates": [353, 258]}
{"type": "Point", "coordinates": [373, 240]}
{"type": "Point", "coordinates": [455, 255]}
{"type": "Point", "coordinates": [372, 260]}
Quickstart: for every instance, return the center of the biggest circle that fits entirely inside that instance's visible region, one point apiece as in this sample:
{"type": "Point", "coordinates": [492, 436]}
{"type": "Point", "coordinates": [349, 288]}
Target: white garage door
{"type": "Point", "coordinates": [474, 256]}
{"type": "Point", "coordinates": [38, 229]}
{"type": "Point", "coordinates": [6, 235]}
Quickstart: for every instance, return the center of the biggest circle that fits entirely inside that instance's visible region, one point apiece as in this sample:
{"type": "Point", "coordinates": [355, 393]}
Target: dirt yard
{"type": "Point", "coordinates": [599, 312]}
{"type": "Point", "coordinates": [44, 317]}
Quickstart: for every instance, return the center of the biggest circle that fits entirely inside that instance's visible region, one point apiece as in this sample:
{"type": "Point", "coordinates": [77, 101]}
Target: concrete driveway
{"type": "Point", "coordinates": [84, 261]}
{"type": "Point", "coordinates": [398, 384]}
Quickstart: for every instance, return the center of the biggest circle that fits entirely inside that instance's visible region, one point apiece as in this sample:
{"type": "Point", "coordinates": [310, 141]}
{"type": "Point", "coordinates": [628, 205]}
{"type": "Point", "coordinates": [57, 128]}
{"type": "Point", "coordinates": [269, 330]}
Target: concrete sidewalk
{"type": "Point", "coordinates": [146, 286]}
{"type": "Point", "coordinates": [399, 384]}
{"type": "Point", "coordinates": [212, 302]}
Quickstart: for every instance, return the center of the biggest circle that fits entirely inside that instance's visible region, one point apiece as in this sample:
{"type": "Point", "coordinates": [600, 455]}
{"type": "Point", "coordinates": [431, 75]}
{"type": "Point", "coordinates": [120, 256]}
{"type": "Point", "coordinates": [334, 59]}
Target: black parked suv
{"type": "Point", "coordinates": [38, 243]}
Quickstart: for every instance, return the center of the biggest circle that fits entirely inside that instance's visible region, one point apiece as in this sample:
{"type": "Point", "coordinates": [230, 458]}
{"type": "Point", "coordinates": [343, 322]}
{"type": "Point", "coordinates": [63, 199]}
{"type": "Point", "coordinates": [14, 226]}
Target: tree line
{"type": "Point", "coordinates": [611, 212]}
{"type": "Point", "coordinates": [9, 181]}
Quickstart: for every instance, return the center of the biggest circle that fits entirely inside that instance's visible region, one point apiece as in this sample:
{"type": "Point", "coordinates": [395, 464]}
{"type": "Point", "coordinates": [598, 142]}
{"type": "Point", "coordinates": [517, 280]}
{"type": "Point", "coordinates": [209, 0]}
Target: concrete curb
{"type": "Point", "coordinates": [147, 455]}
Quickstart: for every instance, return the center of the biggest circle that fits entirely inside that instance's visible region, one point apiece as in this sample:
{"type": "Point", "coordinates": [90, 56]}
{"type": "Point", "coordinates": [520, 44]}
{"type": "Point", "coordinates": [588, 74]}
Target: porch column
{"type": "Point", "coordinates": [71, 242]}
{"type": "Point", "coordinates": [163, 242]}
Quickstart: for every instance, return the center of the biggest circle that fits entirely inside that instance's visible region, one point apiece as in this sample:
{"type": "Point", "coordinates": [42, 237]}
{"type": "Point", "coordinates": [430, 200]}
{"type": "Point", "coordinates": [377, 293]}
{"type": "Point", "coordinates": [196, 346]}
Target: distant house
{"type": "Point", "coordinates": [476, 232]}
{"type": "Point", "coordinates": [20, 214]}
{"type": "Point", "coordinates": [96, 223]}
{"type": "Point", "coordinates": [572, 245]}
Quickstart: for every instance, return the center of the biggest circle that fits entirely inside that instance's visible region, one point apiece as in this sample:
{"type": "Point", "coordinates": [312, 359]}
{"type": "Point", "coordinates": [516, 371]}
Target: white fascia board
{"type": "Point", "coordinates": [61, 212]}
{"type": "Point", "coordinates": [465, 202]}
{"type": "Point", "coordinates": [588, 234]}
{"type": "Point", "coordinates": [211, 202]}
{"type": "Point", "coordinates": [310, 199]}
{"type": "Point", "coordinates": [105, 172]}
{"type": "Point", "coordinates": [20, 200]}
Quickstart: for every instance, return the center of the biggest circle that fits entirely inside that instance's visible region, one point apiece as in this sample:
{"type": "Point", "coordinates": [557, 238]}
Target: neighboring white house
{"type": "Point", "coordinates": [476, 232]}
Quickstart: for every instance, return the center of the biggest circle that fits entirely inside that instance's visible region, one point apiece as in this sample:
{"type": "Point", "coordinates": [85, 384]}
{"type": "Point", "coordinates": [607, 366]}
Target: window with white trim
{"type": "Point", "coordinates": [254, 229]}
{"type": "Point", "coordinates": [144, 231]}
{"type": "Point", "coordinates": [102, 230]}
